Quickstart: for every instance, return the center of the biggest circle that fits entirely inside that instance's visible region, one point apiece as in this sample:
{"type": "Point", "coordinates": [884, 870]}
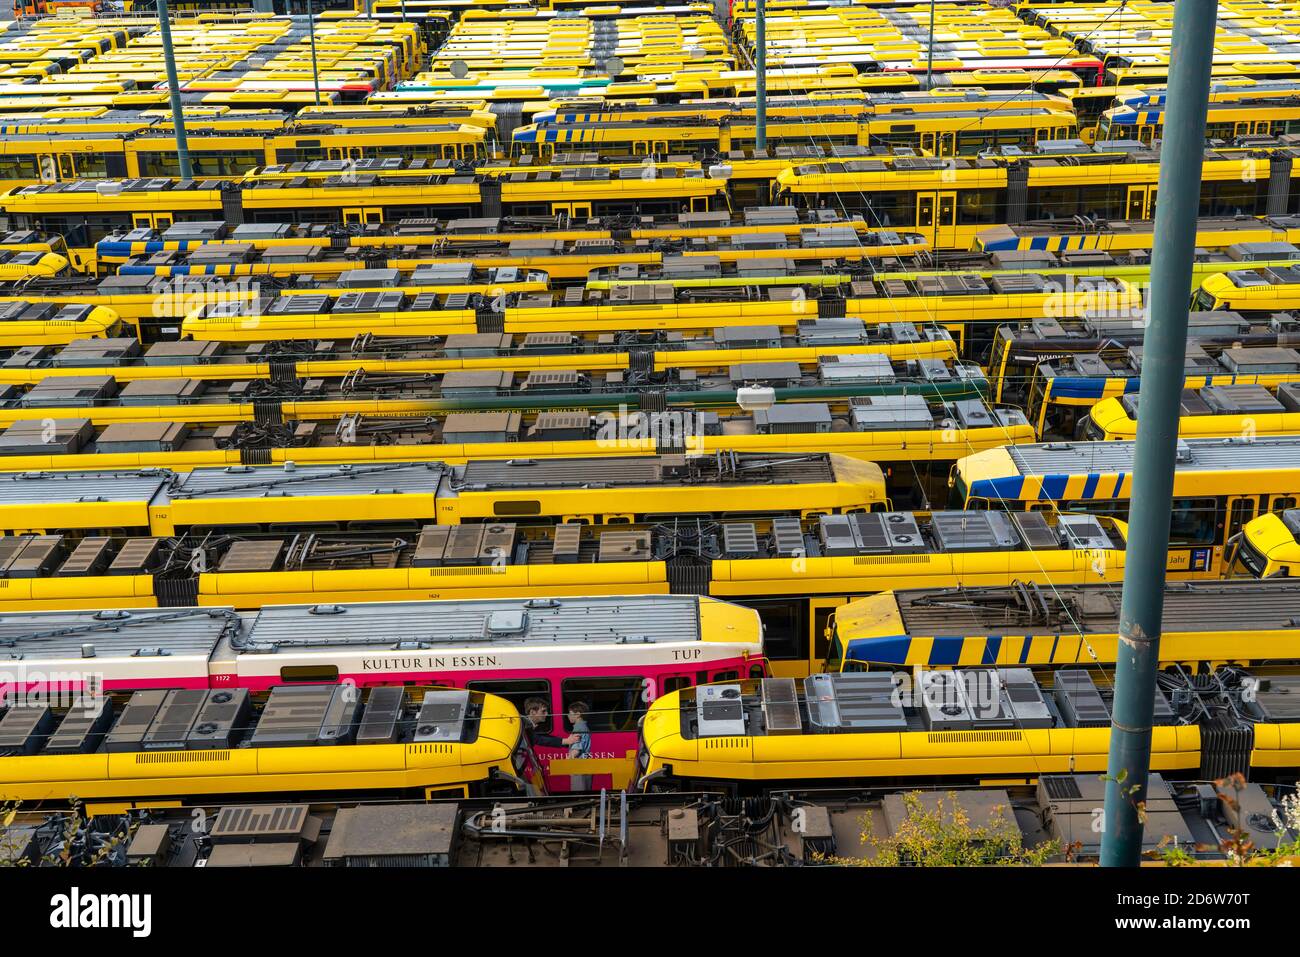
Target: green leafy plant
{"type": "Point", "coordinates": [1237, 847]}
{"type": "Point", "coordinates": [941, 834]}
{"type": "Point", "coordinates": [62, 853]}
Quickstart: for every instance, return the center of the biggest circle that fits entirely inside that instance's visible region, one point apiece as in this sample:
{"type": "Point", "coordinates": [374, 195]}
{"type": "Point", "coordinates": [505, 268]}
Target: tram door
{"type": "Point", "coordinates": [1238, 512]}
{"type": "Point", "coordinates": [344, 152]}
{"type": "Point", "coordinates": [1141, 202]}
{"type": "Point", "coordinates": [574, 211]}
{"type": "Point", "coordinates": [151, 220]}
{"type": "Point", "coordinates": [1247, 128]}
{"type": "Point", "coordinates": [936, 217]}
{"type": "Point", "coordinates": [820, 611]}
{"type": "Point", "coordinates": [363, 216]}
{"type": "Point", "coordinates": [939, 144]}
{"type": "Point", "coordinates": [49, 167]}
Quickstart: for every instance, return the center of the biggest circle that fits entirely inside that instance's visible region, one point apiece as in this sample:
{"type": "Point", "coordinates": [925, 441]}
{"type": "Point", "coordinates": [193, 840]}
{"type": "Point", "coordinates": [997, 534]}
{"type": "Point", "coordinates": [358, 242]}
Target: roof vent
{"type": "Point", "coordinates": [781, 706]}
{"type": "Point", "coordinates": [442, 716]}
{"type": "Point", "coordinates": [719, 710]}
{"type": "Point", "coordinates": [512, 621]}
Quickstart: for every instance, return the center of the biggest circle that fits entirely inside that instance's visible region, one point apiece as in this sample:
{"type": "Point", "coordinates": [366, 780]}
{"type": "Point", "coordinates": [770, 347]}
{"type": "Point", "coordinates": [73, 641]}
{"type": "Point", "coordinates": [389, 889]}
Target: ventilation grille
{"type": "Point", "coordinates": [719, 744]}
{"type": "Point", "coordinates": [486, 321]}
{"type": "Point", "coordinates": [180, 757]}
{"type": "Point", "coordinates": [267, 823]}
{"type": "Point", "coordinates": [268, 411]}
{"type": "Point", "coordinates": [831, 307]}
{"type": "Point", "coordinates": [428, 749]}
{"type": "Point", "coordinates": [688, 578]}
{"type": "Point", "coordinates": [1061, 788]}
{"type": "Point", "coordinates": [463, 570]}
{"type": "Point", "coordinates": [961, 737]}
{"type": "Point", "coordinates": [394, 860]}
{"type": "Point", "coordinates": [892, 559]}
{"type": "Point", "coordinates": [653, 400]}
{"type": "Point", "coordinates": [1226, 751]}
{"type": "Point", "coordinates": [176, 592]}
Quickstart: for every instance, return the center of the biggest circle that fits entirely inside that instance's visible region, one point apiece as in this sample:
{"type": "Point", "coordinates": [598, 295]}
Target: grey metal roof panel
{"type": "Point", "coordinates": [61, 488]}
{"type": "Point", "coordinates": [410, 478]}
{"type": "Point", "coordinates": [1074, 458]}
{"type": "Point", "coordinates": [479, 623]}
{"type": "Point", "coordinates": [49, 635]}
{"type": "Point", "coordinates": [642, 470]}
{"type": "Point", "coordinates": [1094, 609]}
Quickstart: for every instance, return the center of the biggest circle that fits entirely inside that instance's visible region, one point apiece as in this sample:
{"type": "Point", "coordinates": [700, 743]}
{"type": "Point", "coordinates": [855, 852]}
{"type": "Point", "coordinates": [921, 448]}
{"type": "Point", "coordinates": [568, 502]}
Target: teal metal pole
{"type": "Point", "coordinates": [1157, 436]}
{"type": "Point", "coordinates": [760, 75]}
{"type": "Point", "coordinates": [174, 91]}
{"type": "Point", "coordinates": [311, 32]}
{"type": "Point", "coordinates": [929, 56]}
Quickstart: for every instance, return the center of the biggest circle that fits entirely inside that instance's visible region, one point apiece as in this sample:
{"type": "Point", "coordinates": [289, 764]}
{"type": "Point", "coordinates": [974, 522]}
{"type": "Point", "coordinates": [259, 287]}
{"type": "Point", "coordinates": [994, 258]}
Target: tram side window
{"type": "Point", "coordinates": [675, 683]}
{"type": "Point", "coordinates": [81, 230]}
{"type": "Point", "coordinates": [1053, 202]}
{"type": "Point", "coordinates": [784, 634]}
{"type": "Point", "coordinates": [979, 206]}
{"type": "Point", "coordinates": [300, 154]}
{"type": "Point", "coordinates": [92, 165]}
{"type": "Point", "coordinates": [1232, 198]}
{"type": "Point", "coordinates": [303, 215]}
{"type": "Point", "coordinates": [1097, 506]}
{"type": "Point", "coordinates": [613, 704]}
{"type": "Point", "coordinates": [528, 209]}
{"type": "Point", "coordinates": [19, 167]}
{"type": "Point", "coordinates": [890, 210]}
{"type": "Point", "coordinates": [1193, 521]}
{"type": "Point", "coordinates": [407, 150]}
{"type": "Point", "coordinates": [517, 692]}
{"type": "Point", "coordinates": [309, 674]}
{"type": "Point", "coordinates": [204, 163]}
{"type": "Point", "coordinates": [971, 142]}
{"type": "Point", "coordinates": [1281, 503]}
{"type": "Point", "coordinates": [1109, 201]}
